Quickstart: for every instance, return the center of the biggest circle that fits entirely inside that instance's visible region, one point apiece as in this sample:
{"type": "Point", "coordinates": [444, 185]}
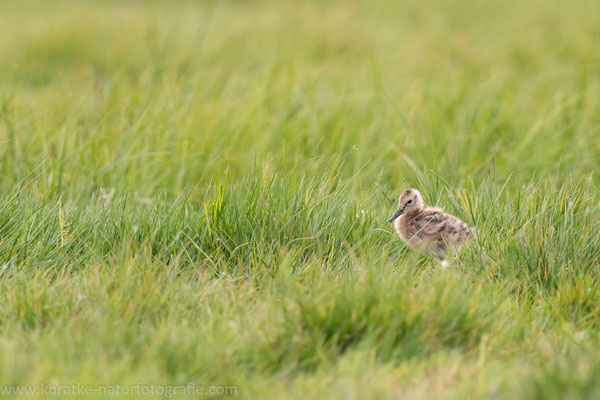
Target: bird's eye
{"type": "Point", "coordinates": [409, 202]}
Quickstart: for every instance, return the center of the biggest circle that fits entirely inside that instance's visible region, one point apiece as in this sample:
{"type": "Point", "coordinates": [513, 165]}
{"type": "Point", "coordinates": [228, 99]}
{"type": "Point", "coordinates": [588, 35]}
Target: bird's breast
{"type": "Point", "coordinates": [405, 229]}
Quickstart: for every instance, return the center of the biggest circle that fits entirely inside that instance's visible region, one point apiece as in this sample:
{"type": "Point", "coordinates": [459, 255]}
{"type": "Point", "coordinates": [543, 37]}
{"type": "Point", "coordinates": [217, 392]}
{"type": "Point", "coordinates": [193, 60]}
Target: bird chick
{"type": "Point", "coordinates": [428, 229]}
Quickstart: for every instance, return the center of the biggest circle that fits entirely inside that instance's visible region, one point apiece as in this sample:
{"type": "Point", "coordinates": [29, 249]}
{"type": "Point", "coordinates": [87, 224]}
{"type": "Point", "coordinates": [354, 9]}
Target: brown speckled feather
{"type": "Point", "coordinates": [428, 229]}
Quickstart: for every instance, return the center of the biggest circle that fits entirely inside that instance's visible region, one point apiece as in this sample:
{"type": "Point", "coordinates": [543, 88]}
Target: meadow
{"type": "Point", "coordinates": [197, 193]}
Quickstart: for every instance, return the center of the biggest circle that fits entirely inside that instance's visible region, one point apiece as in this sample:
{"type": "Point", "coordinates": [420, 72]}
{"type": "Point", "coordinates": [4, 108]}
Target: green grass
{"type": "Point", "coordinates": [198, 192]}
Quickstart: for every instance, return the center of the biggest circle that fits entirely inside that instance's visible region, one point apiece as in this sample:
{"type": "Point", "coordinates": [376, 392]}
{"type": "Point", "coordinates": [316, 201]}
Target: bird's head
{"type": "Point", "coordinates": [410, 201]}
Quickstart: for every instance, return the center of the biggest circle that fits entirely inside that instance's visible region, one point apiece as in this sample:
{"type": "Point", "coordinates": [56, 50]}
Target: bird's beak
{"type": "Point", "coordinates": [397, 214]}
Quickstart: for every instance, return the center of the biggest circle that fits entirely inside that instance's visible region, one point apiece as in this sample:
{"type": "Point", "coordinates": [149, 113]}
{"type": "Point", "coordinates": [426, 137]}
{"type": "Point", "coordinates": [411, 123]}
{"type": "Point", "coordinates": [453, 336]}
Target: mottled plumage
{"type": "Point", "coordinates": [428, 229]}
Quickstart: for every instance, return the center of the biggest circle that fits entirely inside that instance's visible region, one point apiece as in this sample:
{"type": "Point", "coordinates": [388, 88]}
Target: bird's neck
{"type": "Point", "coordinates": [413, 213]}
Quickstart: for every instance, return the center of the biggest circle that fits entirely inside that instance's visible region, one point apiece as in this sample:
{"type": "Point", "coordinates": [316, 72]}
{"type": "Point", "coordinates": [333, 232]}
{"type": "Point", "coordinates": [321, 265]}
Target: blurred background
{"type": "Point", "coordinates": [155, 96]}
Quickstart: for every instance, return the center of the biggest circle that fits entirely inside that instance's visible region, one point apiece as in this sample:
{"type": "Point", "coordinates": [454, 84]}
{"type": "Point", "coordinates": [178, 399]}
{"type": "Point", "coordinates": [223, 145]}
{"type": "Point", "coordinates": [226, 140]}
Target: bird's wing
{"type": "Point", "coordinates": [431, 223]}
{"type": "Point", "coordinates": [438, 223]}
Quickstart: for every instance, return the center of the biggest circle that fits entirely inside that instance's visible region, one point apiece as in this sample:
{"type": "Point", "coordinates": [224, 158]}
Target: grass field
{"type": "Point", "coordinates": [197, 194]}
